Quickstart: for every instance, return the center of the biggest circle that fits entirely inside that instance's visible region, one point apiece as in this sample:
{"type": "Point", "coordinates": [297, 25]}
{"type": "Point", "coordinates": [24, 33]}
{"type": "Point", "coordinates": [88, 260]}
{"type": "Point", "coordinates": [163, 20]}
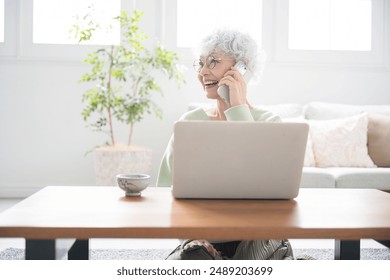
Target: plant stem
{"type": "Point", "coordinates": [135, 88]}
{"type": "Point", "coordinates": [110, 125]}
{"type": "Point", "coordinates": [135, 91]}
{"type": "Point", "coordinates": [109, 97]}
{"type": "Point", "coordinates": [130, 134]}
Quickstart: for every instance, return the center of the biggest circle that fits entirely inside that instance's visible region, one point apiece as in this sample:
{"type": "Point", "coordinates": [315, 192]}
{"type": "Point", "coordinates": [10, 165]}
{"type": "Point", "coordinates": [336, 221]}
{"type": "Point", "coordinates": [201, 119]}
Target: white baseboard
{"type": "Point", "coordinates": [18, 191]}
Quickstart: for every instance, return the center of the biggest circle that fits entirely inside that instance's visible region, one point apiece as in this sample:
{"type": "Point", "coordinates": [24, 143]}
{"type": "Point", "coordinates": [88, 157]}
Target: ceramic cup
{"type": "Point", "coordinates": [133, 184]}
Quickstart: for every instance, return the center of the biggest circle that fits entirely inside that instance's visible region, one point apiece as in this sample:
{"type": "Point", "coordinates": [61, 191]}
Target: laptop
{"type": "Point", "coordinates": [238, 160]}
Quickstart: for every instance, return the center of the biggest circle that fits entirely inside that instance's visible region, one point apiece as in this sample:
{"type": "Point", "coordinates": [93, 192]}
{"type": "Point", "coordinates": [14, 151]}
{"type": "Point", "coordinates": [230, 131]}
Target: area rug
{"type": "Point", "coordinates": [160, 254]}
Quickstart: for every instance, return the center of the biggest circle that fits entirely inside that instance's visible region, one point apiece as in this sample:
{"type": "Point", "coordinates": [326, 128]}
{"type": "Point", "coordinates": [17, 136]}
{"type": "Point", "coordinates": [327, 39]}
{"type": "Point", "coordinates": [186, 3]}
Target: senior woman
{"type": "Point", "coordinates": [219, 52]}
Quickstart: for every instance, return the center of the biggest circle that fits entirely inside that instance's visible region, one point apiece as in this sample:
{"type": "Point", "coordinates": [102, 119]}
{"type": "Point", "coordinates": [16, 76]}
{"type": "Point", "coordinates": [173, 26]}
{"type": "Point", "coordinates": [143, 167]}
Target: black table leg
{"type": "Point", "coordinates": [40, 249]}
{"type": "Point", "coordinates": [347, 250]}
{"type": "Point", "coordinates": [51, 249]}
{"type": "Point", "coordinates": [79, 250]}
{"type": "Point", "coordinates": [384, 242]}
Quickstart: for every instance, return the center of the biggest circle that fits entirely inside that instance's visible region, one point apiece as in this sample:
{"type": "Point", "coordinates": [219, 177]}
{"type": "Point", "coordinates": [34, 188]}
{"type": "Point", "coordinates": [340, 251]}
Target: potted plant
{"type": "Point", "coordinates": [123, 79]}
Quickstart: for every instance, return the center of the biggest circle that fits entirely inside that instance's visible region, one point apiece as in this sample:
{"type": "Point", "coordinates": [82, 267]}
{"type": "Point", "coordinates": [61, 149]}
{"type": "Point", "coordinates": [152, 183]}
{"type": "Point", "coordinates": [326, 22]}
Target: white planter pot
{"type": "Point", "coordinates": [113, 160]}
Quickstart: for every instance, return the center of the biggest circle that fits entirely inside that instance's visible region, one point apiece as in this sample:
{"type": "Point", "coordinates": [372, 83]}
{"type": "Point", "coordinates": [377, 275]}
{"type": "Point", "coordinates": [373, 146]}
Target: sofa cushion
{"type": "Point", "coordinates": [346, 177]}
{"type": "Point", "coordinates": [284, 110]}
{"type": "Point", "coordinates": [313, 177]}
{"type": "Point", "coordinates": [379, 139]}
{"type": "Point", "coordinates": [327, 111]}
{"type": "Point", "coordinates": [309, 156]}
{"type": "Point", "coordinates": [341, 142]}
{"type": "Point", "coordinates": [364, 178]}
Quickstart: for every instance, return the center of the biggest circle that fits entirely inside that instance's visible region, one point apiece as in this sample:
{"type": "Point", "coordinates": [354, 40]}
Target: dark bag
{"type": "Point", "coordinates": [196, 252]}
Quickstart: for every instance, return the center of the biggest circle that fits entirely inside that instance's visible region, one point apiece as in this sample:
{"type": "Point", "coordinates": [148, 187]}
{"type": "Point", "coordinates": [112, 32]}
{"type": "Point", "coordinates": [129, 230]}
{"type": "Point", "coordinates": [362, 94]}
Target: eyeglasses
{"type": "Point", "coordinates": [211, 62]}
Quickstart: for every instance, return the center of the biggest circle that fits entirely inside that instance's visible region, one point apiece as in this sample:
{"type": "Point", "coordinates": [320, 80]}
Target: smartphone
{"type": "Point", "coordinates": [223, 91]}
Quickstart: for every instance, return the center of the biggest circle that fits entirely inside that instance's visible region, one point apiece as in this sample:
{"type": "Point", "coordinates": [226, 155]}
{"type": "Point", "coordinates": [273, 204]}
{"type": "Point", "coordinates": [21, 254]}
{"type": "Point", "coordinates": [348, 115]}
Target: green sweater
{"type": "Point", "coordinates": [237, 113]}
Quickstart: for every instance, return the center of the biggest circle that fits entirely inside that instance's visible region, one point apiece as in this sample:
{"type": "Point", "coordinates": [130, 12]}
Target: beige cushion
{"type": "Point", "coordinates": [341, 142]}
{"type": "Point", "coordinates": [309, 156]}
{"type": "Point", "coordinates": [379, 139]}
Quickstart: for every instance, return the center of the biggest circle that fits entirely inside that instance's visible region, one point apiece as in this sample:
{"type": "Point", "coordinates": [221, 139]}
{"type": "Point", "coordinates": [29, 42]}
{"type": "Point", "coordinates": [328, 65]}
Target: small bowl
{"type": "Point", "coordinates": [133, 184]}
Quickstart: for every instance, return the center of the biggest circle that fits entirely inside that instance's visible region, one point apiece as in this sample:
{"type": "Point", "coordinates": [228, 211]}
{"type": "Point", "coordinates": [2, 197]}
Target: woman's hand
{"type": "Point", "coordinates": [237, 86]}
{"type": "Point", "coordinates": [203, 243]}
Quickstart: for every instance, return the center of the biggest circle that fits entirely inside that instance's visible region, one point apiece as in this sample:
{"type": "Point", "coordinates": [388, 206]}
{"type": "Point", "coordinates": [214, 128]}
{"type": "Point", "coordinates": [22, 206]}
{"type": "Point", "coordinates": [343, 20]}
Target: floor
{"type": "Point", "coordinates": [164, 243]}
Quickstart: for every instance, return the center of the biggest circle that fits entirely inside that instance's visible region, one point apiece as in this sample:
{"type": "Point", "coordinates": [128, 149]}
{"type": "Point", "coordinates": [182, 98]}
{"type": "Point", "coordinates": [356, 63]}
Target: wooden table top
{"type": "Point", "coordinates": [104, 212]}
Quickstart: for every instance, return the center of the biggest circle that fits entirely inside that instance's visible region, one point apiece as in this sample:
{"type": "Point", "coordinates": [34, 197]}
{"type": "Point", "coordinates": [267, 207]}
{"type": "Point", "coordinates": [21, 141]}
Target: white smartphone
{"type": "Point", "coordinates": [223, 91]}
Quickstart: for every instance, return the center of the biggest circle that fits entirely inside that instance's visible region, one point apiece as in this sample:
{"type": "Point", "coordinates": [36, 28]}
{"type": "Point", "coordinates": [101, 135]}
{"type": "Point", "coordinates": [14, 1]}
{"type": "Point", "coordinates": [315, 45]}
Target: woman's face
{"type": "Point", "coordinates": [212, 68]}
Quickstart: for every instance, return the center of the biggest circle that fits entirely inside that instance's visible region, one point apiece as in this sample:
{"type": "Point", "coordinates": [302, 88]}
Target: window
{"type": "Point", "coordinates": [2, 20]}
{"type": "Point", "coordinates": [330, 32]}
{"type": "Point", "coordinates": [8, 28]}
{"type": "Point", "coordinates": [195, 19]}
{"type": "Point", "coordinates": [330, 25]}
{"type": "Point", "coordinates": [52, 20]}
{"type": "Point", "coordinates": [42, 27]}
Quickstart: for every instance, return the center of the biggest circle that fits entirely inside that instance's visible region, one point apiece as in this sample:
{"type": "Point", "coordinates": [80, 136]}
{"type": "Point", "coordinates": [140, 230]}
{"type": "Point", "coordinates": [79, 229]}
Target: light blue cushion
{"type": "Point", "coordinates": [363, 178]}
{"type": "Point", "coordinates": [313, 177]}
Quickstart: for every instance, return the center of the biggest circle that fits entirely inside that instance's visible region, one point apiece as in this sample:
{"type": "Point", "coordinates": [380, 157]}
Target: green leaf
{"type": "Point", "coordinates": [124, 78]}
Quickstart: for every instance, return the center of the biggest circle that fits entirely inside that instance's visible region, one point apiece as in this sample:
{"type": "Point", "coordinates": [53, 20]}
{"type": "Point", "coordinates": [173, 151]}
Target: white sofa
{"type": "Point", "coordinates": [348, 145]}
{"type": "Point", "coordinates": [331, 123]}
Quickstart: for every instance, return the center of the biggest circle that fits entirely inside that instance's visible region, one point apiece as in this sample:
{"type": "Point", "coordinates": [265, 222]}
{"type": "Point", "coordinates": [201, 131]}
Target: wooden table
{"type": "Point", "coordinates": [61, 218]}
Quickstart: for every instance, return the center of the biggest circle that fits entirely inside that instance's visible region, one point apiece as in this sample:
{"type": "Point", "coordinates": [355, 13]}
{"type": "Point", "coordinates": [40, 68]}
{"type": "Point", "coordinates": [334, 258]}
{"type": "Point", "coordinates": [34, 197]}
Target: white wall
{"type": "Point", "coordinates": [43, 137]}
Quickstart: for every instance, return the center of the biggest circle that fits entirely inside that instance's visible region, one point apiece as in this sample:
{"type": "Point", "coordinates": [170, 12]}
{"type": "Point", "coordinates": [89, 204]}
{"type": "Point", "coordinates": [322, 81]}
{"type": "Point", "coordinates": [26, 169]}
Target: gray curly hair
{"type": "Point", "coordinates": [236, 44]}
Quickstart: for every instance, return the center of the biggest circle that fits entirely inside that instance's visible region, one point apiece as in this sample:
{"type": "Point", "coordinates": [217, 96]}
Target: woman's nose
{"type": "Point", "coordinates": [204, 70]}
